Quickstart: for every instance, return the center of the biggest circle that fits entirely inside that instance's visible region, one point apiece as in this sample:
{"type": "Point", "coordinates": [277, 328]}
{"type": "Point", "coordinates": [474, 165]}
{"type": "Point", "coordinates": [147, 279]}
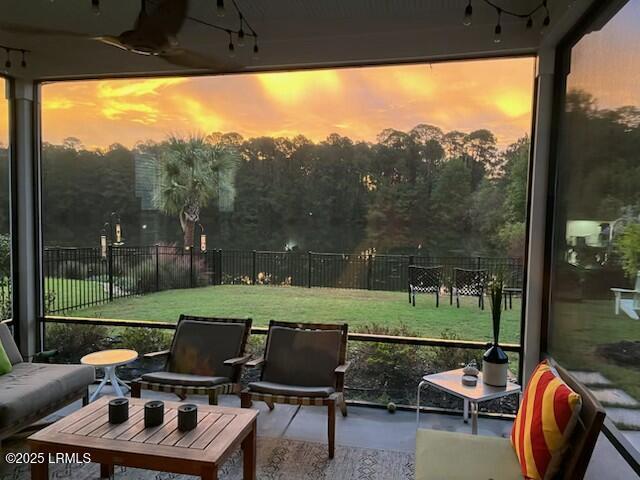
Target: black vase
{"type": "Point", "coordinates": [495, 364]}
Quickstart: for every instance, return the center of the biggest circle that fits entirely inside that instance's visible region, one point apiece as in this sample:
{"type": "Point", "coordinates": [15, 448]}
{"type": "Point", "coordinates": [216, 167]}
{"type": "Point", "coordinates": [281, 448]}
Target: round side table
{"type": "Point", "coordinates": [109, 360]}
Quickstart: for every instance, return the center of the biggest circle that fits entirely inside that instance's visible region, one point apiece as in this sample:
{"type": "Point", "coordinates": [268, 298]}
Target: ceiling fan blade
{"type": "Point", "coordinates": [112, 41]}
{"type": "Point", "coordinates": [31, 30]}
{"type": "Point", "coordinates": [166, 16]}
{"type": "Point", "coordinates": [187, 58]}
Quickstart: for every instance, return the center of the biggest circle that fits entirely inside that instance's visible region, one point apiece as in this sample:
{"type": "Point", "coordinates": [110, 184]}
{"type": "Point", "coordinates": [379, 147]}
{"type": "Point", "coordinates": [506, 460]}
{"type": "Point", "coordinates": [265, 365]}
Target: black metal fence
{"type": "Point", "coordinates": [82, 277]}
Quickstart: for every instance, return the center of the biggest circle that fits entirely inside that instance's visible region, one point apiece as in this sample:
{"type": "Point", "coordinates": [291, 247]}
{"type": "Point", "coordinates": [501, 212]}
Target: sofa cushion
{"type": "Point", "coordinates": [5, 363]}
{"type": "Point", "coordinates": [33, 387]}
{"type": "Point", "coordinates": [545, 423]}
{"type": "Point", "coordinates": [306, 358]}
{"type": "Point", "coordinates": [9, 345]}
{"type": "Point", "coordinates": [171, 378]}
{"type": "Point", "coordinates": [290, 390]}
{"type": "Point", "coordinates": [459, 456]}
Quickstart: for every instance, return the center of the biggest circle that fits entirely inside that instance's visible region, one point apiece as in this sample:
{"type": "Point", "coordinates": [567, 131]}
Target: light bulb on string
{"type": "Point", "coordinates": [231, 47]}
{"type": "Point", "coordinates": [468, 14]}
{"type": "Point", "coordinates": [220, 8]}
{"type": "Point", "coordinates": [497, 31]}
{"type": "Point", "coordinates": [7, 63]}
{"type": "Point", "coordinates": [529, 23]}
{"type": "Point", "coordinates": [547, 18]}
{"type": "Point", "coordinates": [256, 50]}
{"type": "Point", "coordinates": [23, 63]}
{"type": "Point", "coordinates": [95, 6]}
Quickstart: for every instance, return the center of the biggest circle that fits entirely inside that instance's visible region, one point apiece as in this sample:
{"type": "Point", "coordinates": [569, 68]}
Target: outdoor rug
{"type": "Point", "coordinates": [278, 459]}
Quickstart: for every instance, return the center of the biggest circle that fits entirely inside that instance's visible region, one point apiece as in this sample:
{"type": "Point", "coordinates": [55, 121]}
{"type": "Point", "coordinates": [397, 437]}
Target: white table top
{"type": "Point", "coordinates": [451, 382]}
{"type": "Point", "coordinates": [110, 358]}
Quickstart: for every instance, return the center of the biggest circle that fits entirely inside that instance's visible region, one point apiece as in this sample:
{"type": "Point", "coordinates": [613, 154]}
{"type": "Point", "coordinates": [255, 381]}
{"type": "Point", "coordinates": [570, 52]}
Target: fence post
{"type": "Point", "coordinates": [110, 270]}
{"type": "Point", "coordinates": [253, 267]}
{"type": "Point", "coordinates": [309, 270]}
{"type": "Point", "coordinates": [219, 253]}
{"type": "Point", "coordinates": [157, 268]}
{"type": "Point", "coordinates": [369, 272]}
{"type": "Point", "coordinates": [477, 263]}
{"type": "Point", "coordinates": [412, 260]}
{"type": "Point", "coordinates": [191, 267]}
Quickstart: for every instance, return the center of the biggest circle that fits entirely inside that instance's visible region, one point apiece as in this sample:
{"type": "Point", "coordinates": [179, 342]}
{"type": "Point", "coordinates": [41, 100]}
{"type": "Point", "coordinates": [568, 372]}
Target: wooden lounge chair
{"type": "Point", "coordinates": [628, 300]}
{"type": "Point", "coordinates": [424, 280]}
{"type": "Point", "coordinates": [205, 358]}
{"type": "Point", "coordinates": [456, 456]}
{"type": "Point", "coordinates": [303, 364]}
{"type": "Point", "coordinates": [468, 282]}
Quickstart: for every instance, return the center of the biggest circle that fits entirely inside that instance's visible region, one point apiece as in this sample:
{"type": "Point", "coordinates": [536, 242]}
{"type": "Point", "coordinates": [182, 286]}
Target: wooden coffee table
{"type": "Point", "coordinates": [199, 452]}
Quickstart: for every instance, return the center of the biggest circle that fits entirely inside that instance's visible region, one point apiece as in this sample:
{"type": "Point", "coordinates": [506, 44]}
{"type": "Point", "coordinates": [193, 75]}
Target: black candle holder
{"type": "Point", "coordinates": [153, 413]}
{"type": "Point", "coordinates": [187, 417]}
{"type": "Point", "coordinates": [118, 410]}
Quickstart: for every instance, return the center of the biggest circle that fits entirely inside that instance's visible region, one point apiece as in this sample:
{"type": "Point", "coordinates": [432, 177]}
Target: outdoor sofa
{"type": "Point", "coordinates": [32, 391]}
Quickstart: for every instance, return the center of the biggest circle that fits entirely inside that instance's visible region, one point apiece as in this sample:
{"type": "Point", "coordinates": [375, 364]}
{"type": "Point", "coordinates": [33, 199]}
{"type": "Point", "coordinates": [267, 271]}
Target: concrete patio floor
{"type": "Point", "coordinates": [375, 428]}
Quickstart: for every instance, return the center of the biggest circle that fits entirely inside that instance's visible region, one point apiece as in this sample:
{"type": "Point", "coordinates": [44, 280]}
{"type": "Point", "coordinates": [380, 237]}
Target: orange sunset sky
{"type": "Point", "coordinates": [356, 102]}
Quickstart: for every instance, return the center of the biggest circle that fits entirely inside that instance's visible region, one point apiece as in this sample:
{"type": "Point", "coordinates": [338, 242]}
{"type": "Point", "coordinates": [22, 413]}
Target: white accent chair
{"type": "Point", "coordinates": [628, 300]}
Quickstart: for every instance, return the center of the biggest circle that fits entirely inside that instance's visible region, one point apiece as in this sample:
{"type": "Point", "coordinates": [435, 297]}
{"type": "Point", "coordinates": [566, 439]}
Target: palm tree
{"type": "Point", "coordinates": [190, 175]}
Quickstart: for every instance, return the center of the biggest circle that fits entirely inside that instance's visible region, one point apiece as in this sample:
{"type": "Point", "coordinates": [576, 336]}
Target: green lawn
{"type": "Point", "coordinates": [356, 307]}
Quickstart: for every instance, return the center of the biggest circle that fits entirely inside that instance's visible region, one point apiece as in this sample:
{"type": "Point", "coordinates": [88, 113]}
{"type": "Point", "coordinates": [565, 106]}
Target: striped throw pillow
{"type": "Point", "coordinates": [545, 421]}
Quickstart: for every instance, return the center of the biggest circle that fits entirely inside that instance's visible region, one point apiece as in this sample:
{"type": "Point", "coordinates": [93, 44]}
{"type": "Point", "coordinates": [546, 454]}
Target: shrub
{"type": "Point", "coordinates": [5, 299]}
{"type": "Point", "coordinates": [5, 255]}
{"type": "Point", "coordinates": [75, 341]}
{"type": "Point", "coordinates": [628, 245]}
{"type": "Point", "coordinates": [383, 372]}
{"type": "Point", "coordinates": [173, 271]}
{"type": "Point", "coordinates": [144, 340]}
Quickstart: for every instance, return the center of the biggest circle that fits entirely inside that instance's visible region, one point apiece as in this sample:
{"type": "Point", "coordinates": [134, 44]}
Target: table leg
{"type": "Point", "coordinates": [474, 418]}
{"type": "Point", "coordinates": [40, 471]}
{"type": "Point", "coordinates": [420, 385]}
{"type": "Point", "coordinates": [124, 386]}
{"type": "Point", "coordinates": [210, 473]}
{"type": "Point", "coordinates": [465, 411]}
{"type": "Point", "coordinates": [113, 379]}
{"type": "Point", "coordinates": [249, 455]}
{"type": "Point", "coordinates": [99, 388]}
{"type": "Point", "coordinates": [106, 470]}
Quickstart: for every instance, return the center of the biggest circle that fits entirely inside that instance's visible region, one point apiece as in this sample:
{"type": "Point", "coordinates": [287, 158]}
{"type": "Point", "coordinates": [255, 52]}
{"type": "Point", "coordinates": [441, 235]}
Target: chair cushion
{"type": "Point", "coordinates": [305, 358]}
{"type": "Point", "coordinates": [171, 378]}
{"type": "Point", "coordinates": [34, 387]}
{"type": "Point", "coordinates": [545, 422]}
{"type": "Point", "coordinates": [290, 390]}
{"type": "Point", "coordinates": [459, 456]}
{"type": "Point", "coordinates": [201, 347]}
{"type": "Point", "coordinates": [9, 345]}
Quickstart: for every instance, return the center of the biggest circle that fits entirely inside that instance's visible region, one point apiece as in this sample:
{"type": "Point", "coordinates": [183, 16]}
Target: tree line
{"type": "Point", "coordinates": [423, 191]}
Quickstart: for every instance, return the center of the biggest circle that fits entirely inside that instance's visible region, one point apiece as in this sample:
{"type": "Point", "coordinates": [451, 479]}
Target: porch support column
{"type": "Point", "coordinates": [534, 306]}
{"type": "Point", "coordinates": [25, 213]}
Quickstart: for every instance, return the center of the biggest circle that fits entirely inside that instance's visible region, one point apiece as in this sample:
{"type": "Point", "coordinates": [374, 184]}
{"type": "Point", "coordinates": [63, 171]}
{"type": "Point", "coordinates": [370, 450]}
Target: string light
{"type": "Point", "coordinates": [527, 16]}
{"type": "Point", "coordinates": [232, 48]}
{"type": "Point", "coordinates": [95, 6]}
{"type": "Point", "coordinates": [255, 48]}
{"type": "Point", "coordinates": [468, 14]}
{"type": "Point", "coordinates": [241, 32]}
{"type": "Point", "coordinates": [220, 8]}
{"type": "Point", "coordinates": [9, 50]}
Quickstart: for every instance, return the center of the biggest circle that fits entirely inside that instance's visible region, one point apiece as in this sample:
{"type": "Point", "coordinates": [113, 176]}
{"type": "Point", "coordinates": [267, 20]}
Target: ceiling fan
{"type": "Point", "coordinates": [154, 33]}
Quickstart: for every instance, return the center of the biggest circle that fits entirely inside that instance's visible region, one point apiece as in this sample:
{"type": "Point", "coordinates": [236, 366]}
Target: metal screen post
{"type": "Point", "coordinates": [191, 267]}
{"type": "Point", "coordinates": [110, 270]}
{"type": "Point", "coordinates": [253, 267]}
{"type": "Point", "coordinates": [157, 268]}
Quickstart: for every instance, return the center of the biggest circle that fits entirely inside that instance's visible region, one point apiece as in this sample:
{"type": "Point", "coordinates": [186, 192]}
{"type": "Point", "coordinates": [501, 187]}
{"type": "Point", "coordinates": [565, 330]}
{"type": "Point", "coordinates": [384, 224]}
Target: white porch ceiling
{"type": "Point", "coordinates": [292, 34]}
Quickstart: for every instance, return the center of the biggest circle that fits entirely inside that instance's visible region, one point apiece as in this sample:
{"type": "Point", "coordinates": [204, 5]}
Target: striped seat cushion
{"type": "Point", "coordinates": [545, 421]}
